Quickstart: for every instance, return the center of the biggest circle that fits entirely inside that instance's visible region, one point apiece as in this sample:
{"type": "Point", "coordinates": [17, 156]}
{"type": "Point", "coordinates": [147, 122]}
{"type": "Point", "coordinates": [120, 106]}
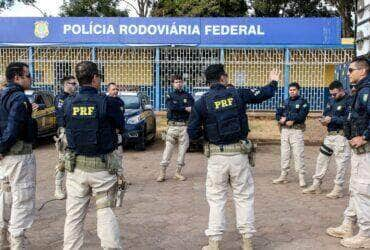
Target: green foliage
{"type": "Point", "coordinates": [92, 8]}
{"type": "Point", "coordinates": [5, 4]}
{"type": "Point", "coordinates": [290, 8]}
{"type": "Point", "coordinates": [200, 8]}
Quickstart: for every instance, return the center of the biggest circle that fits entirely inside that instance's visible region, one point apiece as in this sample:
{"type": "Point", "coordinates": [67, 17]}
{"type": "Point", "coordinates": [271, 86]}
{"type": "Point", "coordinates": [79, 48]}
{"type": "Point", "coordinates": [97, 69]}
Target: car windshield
{"type": "Point", "coordinates": [131, 101]}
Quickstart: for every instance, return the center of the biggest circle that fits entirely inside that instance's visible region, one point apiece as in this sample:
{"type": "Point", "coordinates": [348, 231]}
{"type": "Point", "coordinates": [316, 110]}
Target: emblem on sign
{"type": "Point", "coordinates": [41, 29]}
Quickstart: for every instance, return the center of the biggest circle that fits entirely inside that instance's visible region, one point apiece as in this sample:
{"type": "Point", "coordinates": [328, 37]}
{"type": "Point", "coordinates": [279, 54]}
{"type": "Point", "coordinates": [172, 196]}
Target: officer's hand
{"type": "Point", "coordinates": [274, 75]}
{"type": "Point", "coordinates": [289, 123]}
{"type": "Point", "coordinates": [282, 120]}
{"type": "Point", "coordinates": [188, 109]}
{"type": "Point", "coordinates": [358, 141]}
{"type": "Point", "coordinates": [35, 106]}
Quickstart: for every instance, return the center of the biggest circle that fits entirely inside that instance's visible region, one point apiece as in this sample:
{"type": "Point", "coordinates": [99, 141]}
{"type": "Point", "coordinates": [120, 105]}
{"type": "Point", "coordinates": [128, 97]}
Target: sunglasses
{"type": "Point", "coordinates": [334, 94]}
{"type": "Point", "coordinates": [28, 75]}
{"type": "Point", "coordinates": [73, 83]}
{"type": "Point", "coordinates": [350, 70]}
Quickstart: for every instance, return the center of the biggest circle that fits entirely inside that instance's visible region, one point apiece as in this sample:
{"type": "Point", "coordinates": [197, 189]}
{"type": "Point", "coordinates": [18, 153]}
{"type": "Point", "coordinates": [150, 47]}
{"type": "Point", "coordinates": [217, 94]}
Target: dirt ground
{"type": "Point", "coordinates": [174, 215]}
{"type": "Point", "coordinates": [264, 128]}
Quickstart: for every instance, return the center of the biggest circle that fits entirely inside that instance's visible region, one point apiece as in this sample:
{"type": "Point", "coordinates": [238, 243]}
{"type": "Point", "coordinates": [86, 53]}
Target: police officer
{"type": "Point", "coordinates": [91, 121]}
{"type": "Point", "coordinates": [357, 131]}
{"type": "Point", "coordinates": [69, 88]}
{"type": "Point", "coordinates": [334, 143]}
{"type": "Point", "coordinates": [220, 116]}
{"type": "Point", "coordinates": [112, 91]}
{"type": "Point", "coordinates": [291, 117]}
{"type": "Point", "coordinates": [179, 104]}
{"type": "Point", "coordinates": [17, 162]}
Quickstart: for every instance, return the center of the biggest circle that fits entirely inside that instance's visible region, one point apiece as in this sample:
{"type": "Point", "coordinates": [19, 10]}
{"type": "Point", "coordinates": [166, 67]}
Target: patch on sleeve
{"type": "Point", "coordinates": [365, 97]}
{"type": "Point", "coordinates": [255, 91]}
{"type": "Point", "coordinates": [60, 103]}
{"type": "Point", "coordinates": [304, 105]}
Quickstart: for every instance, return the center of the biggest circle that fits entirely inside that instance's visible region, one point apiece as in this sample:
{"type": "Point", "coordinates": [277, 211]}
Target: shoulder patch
{"type": "Point", "coordinates": [60, 103]}
{"type": "Point", "coordinates": [255, 91]}
{"type": "Point", "coordinates": [304, 105]}
{"type": "Point", "coordinates": [365, 97]}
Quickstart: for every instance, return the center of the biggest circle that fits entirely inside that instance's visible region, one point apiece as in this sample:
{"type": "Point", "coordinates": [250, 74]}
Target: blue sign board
{"type": "Point", "coordinates": [171, 31]}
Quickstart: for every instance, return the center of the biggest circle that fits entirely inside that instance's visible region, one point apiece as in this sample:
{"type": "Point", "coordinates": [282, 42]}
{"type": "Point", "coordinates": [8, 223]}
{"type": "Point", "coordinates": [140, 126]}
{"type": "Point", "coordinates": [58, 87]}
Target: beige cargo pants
{"type": "Point", "coordinates": [81, 186]}
{"type": "Point", "coordinates": [61, 146]}
{"type": "Point", "coordinates": [292, 141]}
{"type": "Point", "coordinates": [359, 202]}
{"type": "Point", "coordinates": [223, 170]}
{"type": "Point", "coordinates": [17, 193]}
{"type": "Point", "coordinates": [342, 155]}
{"type": "Point", "coordinates": [175, 133]}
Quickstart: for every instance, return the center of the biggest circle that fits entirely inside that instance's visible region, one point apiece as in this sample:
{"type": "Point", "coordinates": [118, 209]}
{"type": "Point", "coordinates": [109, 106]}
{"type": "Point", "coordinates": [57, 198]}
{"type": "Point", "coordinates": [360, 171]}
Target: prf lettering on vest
{"type": "Point", "coordinates": [224, 103]}
{"type": "Point", "coordinates": [83, 111]}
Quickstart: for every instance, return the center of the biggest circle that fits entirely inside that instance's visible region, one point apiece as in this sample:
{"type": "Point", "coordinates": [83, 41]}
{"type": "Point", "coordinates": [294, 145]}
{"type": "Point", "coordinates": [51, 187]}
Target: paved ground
{"type": "Point", "coordinates": [173, 215]}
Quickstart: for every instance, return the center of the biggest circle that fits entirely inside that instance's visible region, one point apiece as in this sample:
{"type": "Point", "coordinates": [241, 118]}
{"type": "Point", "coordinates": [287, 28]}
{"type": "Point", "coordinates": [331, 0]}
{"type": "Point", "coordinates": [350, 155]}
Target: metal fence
{"type": "Point", "coordinates": [150, 69]}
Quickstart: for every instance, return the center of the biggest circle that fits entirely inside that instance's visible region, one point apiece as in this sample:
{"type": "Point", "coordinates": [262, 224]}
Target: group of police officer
{"type": "Point", "coordinates": [90, 125]}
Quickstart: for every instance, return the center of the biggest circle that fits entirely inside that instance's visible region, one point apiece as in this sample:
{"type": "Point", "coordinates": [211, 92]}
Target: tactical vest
{"type": "Point", "coordinates": [226, 120]}
{"type": "Point", "coordinates": [337, 109]}
{"type": "Point", "coordinates": [290, 109]}
{"type": "Point", "coordinates": [357, 120]}
{"type": "Point", "coordinates": [88, 130]}
{"type": "Point", "coordinates": [28, 130]}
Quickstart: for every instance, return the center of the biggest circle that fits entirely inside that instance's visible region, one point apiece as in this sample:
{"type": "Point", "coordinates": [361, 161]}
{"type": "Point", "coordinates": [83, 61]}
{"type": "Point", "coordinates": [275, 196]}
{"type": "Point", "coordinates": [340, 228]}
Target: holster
{"type": "Point", "coordinates": [247, 147]}
{"type": "Point", "coordinates": [362, 150]}
{"type": "Point", "coordinates": [121, 190]}
{"type": "Point", "coordinates": [70, 161]}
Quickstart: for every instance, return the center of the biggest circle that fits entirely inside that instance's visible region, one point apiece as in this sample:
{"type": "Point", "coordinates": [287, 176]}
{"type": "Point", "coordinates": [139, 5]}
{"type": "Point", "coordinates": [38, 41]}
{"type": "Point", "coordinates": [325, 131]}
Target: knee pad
{"type": "Point", "coordinates": [326, 150]}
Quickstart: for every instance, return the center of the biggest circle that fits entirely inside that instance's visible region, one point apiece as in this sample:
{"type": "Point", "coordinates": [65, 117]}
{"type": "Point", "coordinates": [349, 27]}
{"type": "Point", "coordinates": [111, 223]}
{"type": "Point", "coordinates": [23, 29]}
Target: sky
{"type": "Point", "coordinates": [51, 7]}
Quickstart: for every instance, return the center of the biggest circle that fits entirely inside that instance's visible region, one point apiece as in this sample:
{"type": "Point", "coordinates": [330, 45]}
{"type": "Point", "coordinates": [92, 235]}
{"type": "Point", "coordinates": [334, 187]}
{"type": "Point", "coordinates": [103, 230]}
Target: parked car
{"type": "Point", "coordinates": [45, 115]}
{"type": "Point", "coordinates": [140, 121]}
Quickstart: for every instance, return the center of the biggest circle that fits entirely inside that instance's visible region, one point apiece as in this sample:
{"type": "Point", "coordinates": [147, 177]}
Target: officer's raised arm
{"type": "Point", "coordinates": [258, 95]}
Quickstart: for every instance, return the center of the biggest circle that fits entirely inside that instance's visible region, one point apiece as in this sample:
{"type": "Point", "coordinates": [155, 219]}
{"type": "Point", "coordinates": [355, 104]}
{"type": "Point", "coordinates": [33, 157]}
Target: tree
{"type": "Point", "coordinates": [200, 8]}
{"type": "Point", "coordinates": [92, 8]}
{"type": "Point", "coordinates": [345, 9]}
{"type": "Point", "coordinates": [5, 4]}
{"type": "Point", "coordinates": [142, 8]}
{"type": "Point", "coordinates": [306, 8]}
{"type": "Point", "coordinates": [290, 8]}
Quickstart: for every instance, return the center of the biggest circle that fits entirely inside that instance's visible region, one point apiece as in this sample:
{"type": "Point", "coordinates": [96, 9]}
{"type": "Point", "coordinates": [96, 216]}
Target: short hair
{"type": "Point", "coordinates": [176, 77]}
{"type": "Point", "coordinates": [363, 62]}
{"type": "Point", "coordinates": [335, 85]}
{"type": "Point", "coordinates": [15, 69]}
{"type": "Point", "coordinates": [85, 72]}
{"type": "Point", "coordinates": [214, 72]}
{"type": "Point", "coordinates": [111, 84]}
{"type": "Point", "coordinates": [66, 78]}
{"type": "Point", "coordinates": [294, 85]}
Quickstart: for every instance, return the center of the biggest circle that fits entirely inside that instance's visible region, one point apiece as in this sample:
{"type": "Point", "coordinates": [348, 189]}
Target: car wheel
{"type": "Point", "coordinates": [140, 144]}
{"type": "Point", "coordinates": [152, 140]}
